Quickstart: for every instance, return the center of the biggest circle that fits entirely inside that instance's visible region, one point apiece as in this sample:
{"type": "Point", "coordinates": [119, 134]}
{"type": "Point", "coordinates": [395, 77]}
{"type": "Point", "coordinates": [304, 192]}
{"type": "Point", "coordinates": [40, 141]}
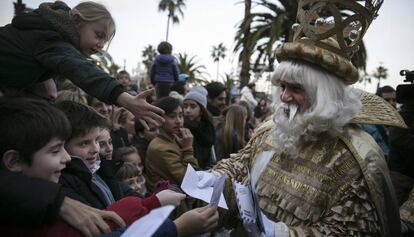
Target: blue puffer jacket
{"type": "Point", "coordinates": [164, 69]}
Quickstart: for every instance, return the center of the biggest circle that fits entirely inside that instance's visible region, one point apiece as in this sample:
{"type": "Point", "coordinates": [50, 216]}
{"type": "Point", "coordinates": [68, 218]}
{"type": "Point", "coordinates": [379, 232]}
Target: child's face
{"type": "Point", "coordinates": [93, 36]}
{"type": "Point", "coordinates": [134, 159]}
{"type": "Point", "coordinates": [124, 79]}
{"type": "Point", "coordinates": [48, 162]}
{"type": "Point", "coordinates": [102, 108]}
{"type": "Point", "coordinates": [173, 121]}
{"type": "Point", "coordinates": [85, 147]}
{"type": "Point", "coordinates": [191, 110]}
{"type": "Point", "coordinates": [105, 144]}
{"type": "Point", "coordinates": [137, 183]}
{"type": "Point", "coordinates": [129, 124]}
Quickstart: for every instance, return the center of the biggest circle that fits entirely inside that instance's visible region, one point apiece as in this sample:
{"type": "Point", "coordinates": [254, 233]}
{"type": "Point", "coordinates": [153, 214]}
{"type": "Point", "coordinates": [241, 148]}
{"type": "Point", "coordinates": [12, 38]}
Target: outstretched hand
{"type": "Point", "coordinates": [144, 112]}
{"type": "Point", "coordinates": [197, 221]}
{"type": "Point", "coordinates": [88, 220]}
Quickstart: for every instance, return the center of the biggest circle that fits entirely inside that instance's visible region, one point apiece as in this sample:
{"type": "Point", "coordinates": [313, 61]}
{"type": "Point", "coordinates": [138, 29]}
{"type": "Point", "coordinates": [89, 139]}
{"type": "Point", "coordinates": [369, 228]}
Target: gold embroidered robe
{"type": "Point", "coordinates": [336, 187]}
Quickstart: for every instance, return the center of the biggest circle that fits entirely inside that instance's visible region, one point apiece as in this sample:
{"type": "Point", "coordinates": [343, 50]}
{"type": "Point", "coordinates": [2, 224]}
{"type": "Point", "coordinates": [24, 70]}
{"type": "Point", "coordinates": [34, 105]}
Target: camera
{"type": "Point", "coordinates": [405, 92]}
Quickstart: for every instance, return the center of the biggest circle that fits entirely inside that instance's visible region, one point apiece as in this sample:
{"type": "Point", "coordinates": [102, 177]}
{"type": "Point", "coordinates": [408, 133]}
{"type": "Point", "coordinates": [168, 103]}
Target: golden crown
{"type": "Point", "coordinates": [344, 20]}
{"type": "Point", "coordinates": [328, 32]}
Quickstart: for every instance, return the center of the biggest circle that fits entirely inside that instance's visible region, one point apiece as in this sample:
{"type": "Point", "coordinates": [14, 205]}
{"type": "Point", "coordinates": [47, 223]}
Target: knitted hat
{"type": "Point", "coordinates": [198, 94]}
{"type": "Point", "coordinates": [215, 89]}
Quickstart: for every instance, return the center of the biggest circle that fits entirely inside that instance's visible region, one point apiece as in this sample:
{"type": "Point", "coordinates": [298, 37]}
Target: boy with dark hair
{"type": "Point", "coordinates": [171, 151]}
{"type": "Point", "coordinates": [164, 71]}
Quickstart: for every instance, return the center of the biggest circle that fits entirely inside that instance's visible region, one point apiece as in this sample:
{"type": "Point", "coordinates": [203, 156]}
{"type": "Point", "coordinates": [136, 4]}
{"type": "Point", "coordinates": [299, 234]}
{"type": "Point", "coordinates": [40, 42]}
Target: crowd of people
{"type": "Point", "coordinates": [86, 154]}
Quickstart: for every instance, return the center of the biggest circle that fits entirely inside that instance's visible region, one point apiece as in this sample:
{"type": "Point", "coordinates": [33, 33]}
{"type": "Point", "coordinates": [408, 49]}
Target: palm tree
{"type": "Point", "coordinates": [246, 49]}
{"type": "Point", "coordinates": [190, 66]}
{"type": "Point", "coordinates": [218, 52]}
{"type": "Point", "coordinates": [149, 53]}
{"type": "Point", "coordinates": [380, 73]}
{"type": "Point", "coordinates": [173, 7]}
{"type": "Point", "coordinates": [365, 78]}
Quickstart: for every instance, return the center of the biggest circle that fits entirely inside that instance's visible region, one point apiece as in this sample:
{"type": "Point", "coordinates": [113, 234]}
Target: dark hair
{"type": "Point", "coordinates": [168, 104]}
{"type": "Point", "coordinates": [27, 125]}
{"type": "Point", "coordinates": [123, 72]}
{"type": "Point", "coordinates": [214, 89]}
{"type": "Point", "coordinates": [121, 152]}
{"type": "Point", "coordinates": [82, 118]}
{"type": "Point", "coordinates": [384, 89]}
{"type": "Point", "coordinates": [127, 171]}
{"type": "Point", "coordinates": [178, 86]}
{"type": "Point", "coordinates": [164, 48]}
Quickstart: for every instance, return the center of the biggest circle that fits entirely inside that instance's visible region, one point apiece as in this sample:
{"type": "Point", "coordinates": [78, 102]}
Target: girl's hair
{"type": "Point", "coordinates": [127, 171]}
{"type": "Point", "coordinates": [168, 104]}
{"type": "Point", "coordinates": [234, 124]}
{"type": "Point", "coordinates": [121, 152]}
{"type": "Point", "coordinates": [248, 109]}
{"type": "Point", "coordinates": [92, 11]}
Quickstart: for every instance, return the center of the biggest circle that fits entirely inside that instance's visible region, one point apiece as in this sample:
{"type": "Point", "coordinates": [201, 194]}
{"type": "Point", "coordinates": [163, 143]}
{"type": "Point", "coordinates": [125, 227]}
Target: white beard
{"type": "Point", "coordinates": [290, 127]}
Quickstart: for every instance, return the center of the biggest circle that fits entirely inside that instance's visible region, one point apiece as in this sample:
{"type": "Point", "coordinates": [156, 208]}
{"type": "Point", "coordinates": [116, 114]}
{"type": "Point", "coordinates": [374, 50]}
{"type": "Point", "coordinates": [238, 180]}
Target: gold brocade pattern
{"type": "Point", "coordinates": [321, 193]}
{"type": "Point", "coordinates": [407, 210]}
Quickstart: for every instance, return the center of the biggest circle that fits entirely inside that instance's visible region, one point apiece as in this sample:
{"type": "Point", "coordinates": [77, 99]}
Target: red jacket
{"type": "Point", "coordinates": [129, 209]}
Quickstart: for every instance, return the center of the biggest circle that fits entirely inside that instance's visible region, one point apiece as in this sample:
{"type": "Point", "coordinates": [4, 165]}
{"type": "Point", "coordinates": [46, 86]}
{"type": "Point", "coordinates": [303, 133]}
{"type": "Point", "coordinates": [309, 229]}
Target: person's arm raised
{"type": "Point", "coordinates": [141, 109]}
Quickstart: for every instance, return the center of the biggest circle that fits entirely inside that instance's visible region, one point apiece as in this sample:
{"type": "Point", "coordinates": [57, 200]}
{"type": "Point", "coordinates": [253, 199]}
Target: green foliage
{"type": "Point", "coordinates": [149, 53]}
{"type": "Point", "coordinates": [188, 65]}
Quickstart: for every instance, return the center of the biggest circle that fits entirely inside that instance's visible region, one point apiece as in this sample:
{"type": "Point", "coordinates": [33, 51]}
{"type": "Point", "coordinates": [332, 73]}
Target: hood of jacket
{"type": "Point", "coordinates": [50, 16]}
{"type": "Point", "coordinates": [165, 59]}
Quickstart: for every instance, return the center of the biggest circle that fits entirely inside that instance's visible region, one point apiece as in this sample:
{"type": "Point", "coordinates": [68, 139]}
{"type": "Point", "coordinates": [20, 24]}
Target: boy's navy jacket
{"type": "Point", "coordinates": [28, 201]}
{"type": "Point", "coordinates": [76, 181]}
{"type": "Point", "coordinates": [43, 44]}
{"type": "Point", "coordinates": [164, 69]}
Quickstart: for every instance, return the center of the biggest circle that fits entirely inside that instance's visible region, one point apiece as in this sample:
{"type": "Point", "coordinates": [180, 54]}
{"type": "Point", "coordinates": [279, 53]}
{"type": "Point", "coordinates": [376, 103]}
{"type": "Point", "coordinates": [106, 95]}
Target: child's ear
{"type": "Point", "coordinates": [76, 19]}
{"type": "Point", "coordinates": [12, 161]}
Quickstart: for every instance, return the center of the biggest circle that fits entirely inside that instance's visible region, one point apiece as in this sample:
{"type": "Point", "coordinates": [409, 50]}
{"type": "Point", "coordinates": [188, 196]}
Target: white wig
{"type": "Point", "coordinates": [332, 103]}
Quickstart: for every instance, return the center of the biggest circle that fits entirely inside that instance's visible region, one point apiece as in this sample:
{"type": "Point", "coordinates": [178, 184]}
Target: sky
{"type": "Point", "coordinates": [207, 23]}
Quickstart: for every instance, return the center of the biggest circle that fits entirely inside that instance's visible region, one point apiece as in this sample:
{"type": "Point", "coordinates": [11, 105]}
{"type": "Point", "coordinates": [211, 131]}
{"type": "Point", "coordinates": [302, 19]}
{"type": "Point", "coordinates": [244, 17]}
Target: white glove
{"type": "Point", "coordinates": [206, 179]}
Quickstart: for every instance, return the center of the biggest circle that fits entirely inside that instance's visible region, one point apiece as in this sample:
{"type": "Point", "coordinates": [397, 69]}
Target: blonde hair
{"type": "Point", "coordinates": [120, 116]}
{"type": "Point", "coordinates": [69, 95]}
{"type": "Point", "coordinates": [235, 122]}
{"type": "Point", "coordinates": [92, 11]}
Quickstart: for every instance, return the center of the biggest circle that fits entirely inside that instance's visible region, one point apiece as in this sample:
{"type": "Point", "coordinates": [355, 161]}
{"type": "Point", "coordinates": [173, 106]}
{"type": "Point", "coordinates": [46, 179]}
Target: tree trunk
{"type": "Point", "coordinates": [217, 77]}
{"type": "Point", "coordinates": [246, 53]}
{"type": "Point", "coordinates": [168, 27]}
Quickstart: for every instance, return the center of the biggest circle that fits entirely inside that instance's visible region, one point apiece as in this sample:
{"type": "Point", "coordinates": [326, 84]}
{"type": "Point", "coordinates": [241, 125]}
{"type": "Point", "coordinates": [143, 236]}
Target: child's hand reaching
{"type": "Point", "coordinates": [197, 221]}
{"type": "Point", "coordinates": [168, 197]}
{"type": "Point", "coordinates": [140, 108]}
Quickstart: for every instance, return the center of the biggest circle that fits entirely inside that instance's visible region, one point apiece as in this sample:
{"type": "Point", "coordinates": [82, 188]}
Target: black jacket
{"type": "Point", "coordinates": [44, 44]}
{"type": "Point", "coordinates": [204, 136]}
{"type": "Point", "coordinates": [28, 201]}
{"type": "Point", "coordinates": [76, 180]}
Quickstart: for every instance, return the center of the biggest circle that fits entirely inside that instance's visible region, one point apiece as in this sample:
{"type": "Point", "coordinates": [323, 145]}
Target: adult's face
{"type": "Point", "coordinates": [294, 93]}
{"type": "Point", "coordinates": [219, 101]}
